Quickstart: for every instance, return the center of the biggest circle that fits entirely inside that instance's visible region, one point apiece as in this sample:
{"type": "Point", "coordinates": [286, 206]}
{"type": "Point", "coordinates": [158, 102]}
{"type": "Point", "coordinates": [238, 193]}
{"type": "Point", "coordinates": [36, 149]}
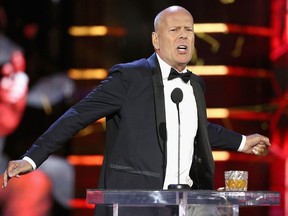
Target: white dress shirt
{"type": "Point", "coordinates": [188, 128]}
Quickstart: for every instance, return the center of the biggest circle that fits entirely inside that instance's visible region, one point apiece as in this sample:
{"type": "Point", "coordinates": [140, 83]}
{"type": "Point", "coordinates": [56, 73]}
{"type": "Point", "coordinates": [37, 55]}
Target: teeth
{"type": "Point", "coordinates": [182, 47]}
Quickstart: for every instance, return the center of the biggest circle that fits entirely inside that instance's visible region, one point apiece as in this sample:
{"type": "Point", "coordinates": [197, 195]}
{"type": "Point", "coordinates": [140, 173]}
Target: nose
{"type": "Point", "coordinates": [183, 34]}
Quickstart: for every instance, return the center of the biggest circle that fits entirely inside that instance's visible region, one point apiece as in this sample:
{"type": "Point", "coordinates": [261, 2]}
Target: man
{"type": "Point", "coordinates": [142, 120]}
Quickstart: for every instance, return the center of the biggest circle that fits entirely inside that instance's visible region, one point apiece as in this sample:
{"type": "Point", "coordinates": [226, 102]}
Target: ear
{"type": "Point", "coordinates": [155, 40]}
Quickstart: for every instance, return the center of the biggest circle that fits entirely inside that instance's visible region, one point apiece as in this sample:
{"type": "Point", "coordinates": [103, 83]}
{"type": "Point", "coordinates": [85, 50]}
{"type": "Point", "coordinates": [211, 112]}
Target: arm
{"type": "Point", "coordinates": [104, 100]}
{"type": "Point", "coordinates": [226, 139]}
{"type": "Point", "coordinates": [223, 138]}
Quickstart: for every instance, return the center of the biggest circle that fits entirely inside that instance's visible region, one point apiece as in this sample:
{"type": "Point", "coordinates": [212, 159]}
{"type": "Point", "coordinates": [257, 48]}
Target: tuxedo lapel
{"type": "Point", "coordinates": [159, 101]}
{"type": "Point", "coordinates": [202, 145]}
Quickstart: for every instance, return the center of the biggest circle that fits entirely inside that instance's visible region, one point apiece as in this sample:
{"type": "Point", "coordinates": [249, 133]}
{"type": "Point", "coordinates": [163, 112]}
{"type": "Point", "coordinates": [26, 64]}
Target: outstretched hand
{"type": "Point", "coordinates": [15, 169]}
{"type": "Point", "coordinates": [256, 144]}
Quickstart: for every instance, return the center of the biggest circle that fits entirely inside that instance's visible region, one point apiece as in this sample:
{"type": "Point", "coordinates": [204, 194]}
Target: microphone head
{"type": "Point", "coordinates": [177, 95]}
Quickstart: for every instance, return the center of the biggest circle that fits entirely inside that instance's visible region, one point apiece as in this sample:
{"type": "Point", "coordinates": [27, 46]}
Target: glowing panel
{"type": "Point", "coordinates": [89, 73]}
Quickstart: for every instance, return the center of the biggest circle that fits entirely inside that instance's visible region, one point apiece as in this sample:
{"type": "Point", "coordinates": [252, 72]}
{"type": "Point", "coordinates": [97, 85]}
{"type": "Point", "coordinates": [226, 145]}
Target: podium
{"type": "Point", "coordinates": [227, 202]}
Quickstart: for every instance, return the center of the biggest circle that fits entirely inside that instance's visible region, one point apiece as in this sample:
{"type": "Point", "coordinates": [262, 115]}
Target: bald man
{"type": "Point", "coordinates": [142, 121]}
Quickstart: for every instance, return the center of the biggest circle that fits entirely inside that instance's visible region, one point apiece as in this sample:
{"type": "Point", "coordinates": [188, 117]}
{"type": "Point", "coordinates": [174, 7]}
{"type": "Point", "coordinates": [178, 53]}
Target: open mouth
{"type": "Point", "coordinates": [182, 48]}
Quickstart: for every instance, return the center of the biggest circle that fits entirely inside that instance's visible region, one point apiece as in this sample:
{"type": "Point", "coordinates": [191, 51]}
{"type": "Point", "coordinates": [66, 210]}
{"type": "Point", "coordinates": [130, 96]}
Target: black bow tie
{"type": "Point", "coordinates": [184, 76]}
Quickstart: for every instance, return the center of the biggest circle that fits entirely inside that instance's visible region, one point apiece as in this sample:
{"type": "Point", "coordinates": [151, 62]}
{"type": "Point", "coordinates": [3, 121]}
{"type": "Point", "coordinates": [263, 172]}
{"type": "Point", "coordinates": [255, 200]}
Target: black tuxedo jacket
{"type": "Point", "coordinates": [132, 100]}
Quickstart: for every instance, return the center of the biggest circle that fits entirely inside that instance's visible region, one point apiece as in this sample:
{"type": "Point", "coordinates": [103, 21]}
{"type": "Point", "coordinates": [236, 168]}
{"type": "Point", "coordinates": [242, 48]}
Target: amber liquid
{"type": "Point", "coordinates": [236, 184]}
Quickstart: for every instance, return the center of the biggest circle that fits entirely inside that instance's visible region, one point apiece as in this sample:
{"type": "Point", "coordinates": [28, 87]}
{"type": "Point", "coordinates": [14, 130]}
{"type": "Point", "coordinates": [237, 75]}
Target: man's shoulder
{"type": "Point", "coordinates": [136, 65]}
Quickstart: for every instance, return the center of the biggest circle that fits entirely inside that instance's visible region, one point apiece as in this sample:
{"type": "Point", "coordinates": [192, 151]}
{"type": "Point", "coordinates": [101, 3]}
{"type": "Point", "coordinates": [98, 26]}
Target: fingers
{"type": "Point", "coordinates": [265, 141]}
{"type": "Point", "coordinates": [15, 168]}
{"type": "Point", "coordinates": [257, 139]}
{"type": "Point", "coordinates": [256, 144]}
{"type": "Point", "coordinates": [5, 180]}
{"type": "Point", "coordinates": [260, 139]}
{"type": "Point", "coordinates": [259, 149]}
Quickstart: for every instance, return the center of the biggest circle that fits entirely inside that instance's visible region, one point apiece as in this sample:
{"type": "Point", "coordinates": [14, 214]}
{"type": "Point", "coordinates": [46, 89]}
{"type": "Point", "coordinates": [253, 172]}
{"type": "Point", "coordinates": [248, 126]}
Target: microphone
{"type": "Point", "coordinates": [177, 97]}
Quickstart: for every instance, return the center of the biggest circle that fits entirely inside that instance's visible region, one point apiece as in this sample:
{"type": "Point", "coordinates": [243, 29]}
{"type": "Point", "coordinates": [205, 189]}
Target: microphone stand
{"type": "Point", "coordinates": [177, 96]}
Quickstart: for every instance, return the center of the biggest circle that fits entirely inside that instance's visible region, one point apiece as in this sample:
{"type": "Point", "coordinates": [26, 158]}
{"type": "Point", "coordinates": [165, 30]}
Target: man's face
{"type": "Point", "coordinates": [174, 38]}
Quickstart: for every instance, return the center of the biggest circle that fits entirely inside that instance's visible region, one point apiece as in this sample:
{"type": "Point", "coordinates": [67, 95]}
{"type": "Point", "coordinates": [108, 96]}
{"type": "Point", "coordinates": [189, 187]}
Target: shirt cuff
{"type": "Point", "coordinates": [242, 144]}
{"type": "Point", "coordinates": [29, 160]}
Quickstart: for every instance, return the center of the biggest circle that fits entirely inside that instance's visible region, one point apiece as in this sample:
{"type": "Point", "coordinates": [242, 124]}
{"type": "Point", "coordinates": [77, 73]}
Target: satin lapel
{"type": "Point", "coordinates": [199, 97]}
{"type": "Point", "coordinates": [202, 125]}
{"type": "Point", "coordinates": [159, 101]}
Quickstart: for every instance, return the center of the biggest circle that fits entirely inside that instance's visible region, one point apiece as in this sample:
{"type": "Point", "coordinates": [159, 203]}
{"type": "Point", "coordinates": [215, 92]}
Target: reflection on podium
{"type": "Point", "coordinates": [186, 201]}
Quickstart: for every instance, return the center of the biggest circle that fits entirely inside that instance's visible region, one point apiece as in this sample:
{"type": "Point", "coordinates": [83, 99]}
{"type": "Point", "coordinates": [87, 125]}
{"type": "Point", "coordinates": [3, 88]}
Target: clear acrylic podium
{"type": "Point", "coordinates": [228, 202]}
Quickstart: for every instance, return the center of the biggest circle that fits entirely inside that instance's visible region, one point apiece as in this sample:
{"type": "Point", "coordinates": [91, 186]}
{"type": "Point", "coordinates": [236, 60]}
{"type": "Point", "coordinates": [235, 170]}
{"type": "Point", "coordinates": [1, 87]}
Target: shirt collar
{"type": "Point", "coordinates": [165, 68]}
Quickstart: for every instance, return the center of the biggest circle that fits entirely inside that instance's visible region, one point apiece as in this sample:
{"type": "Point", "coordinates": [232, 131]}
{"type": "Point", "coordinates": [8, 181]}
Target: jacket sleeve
{"type": "Point", "coordinates": [104, 100]}
{"type": "Point", "coordinates": [223, 138]}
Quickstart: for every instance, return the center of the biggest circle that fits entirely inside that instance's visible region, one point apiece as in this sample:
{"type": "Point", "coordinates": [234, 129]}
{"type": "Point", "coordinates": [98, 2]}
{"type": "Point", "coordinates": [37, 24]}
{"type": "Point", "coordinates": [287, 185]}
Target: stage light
{"type": "Point", "coordinates": [81, 31]}
{"type": "Point", "coordinates": [208, 70]}
{"type": "Point", "coordinates": [86, 74]}
{"type": "Point", "coordinates": [231, 28]}
{"type": "Point", "coordinates": [217, 113]}
{"type": "Point", "coordinates": [223, 70]}
{"type": "Point", "coordinates": [227, 1]}
{"type": "Point", "coordinates": [85, 160]}
{"type": "Point", "coordinates": [88, 30]}
{"type": "Point", "coordinates": [221, 155]}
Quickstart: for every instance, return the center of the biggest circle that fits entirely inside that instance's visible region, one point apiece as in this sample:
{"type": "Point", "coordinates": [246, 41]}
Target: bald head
{"type": "Point", "coordinates": [161, 17]}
